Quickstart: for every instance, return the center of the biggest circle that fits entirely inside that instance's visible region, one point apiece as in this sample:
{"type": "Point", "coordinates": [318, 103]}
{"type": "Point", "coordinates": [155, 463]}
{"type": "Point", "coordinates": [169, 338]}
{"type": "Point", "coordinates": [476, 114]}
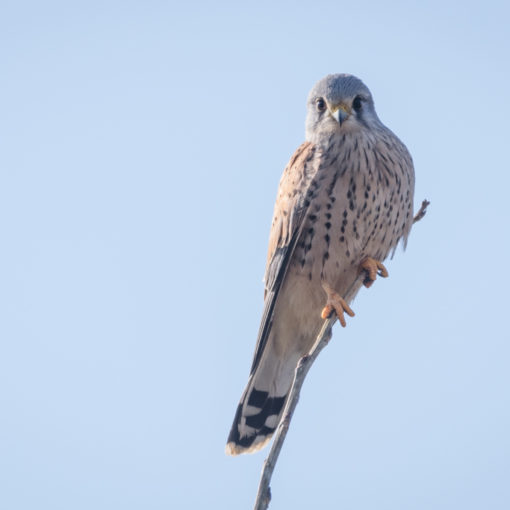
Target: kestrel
{"type": "Point", "coordinates": [344, 202]}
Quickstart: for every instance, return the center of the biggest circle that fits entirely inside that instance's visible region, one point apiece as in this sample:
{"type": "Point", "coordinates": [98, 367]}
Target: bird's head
{"type": "Point", "coordinates": [339, 103]}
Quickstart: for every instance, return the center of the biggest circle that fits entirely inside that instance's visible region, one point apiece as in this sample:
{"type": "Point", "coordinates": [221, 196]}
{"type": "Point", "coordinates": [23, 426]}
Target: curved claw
{"type": "Point", "coordinates": [337, 305]}
{"type": "Point", "coordinates": [373, 268]}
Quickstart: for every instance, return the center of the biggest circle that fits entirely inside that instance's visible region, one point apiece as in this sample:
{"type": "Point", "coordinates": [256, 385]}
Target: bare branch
{"type": "Point", "coordinates": [421, 213]}
{"type": "Point", "coordinates": [305, 363]}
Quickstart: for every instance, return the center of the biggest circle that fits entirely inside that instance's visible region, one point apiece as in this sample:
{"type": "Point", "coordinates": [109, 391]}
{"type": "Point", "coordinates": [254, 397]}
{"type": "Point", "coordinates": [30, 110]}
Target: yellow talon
{"type": "Point", "coordinates": [338, 305]}
{"type": "Point", "coordinates": [373, 268]}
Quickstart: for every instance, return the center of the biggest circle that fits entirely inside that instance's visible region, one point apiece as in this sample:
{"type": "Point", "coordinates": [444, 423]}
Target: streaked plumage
{"type": "Point", "coordinates": [345, 196]}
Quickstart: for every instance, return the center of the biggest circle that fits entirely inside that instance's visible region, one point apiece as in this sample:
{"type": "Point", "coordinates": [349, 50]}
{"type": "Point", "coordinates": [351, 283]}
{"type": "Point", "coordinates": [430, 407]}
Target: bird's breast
{"type": "Point", "coordinates": [360, 204]}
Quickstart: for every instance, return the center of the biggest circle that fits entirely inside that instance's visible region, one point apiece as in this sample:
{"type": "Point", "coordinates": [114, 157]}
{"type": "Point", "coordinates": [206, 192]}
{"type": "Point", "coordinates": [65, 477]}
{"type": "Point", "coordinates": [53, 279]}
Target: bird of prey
{"type": "Point", "coordinates": [344, 202]}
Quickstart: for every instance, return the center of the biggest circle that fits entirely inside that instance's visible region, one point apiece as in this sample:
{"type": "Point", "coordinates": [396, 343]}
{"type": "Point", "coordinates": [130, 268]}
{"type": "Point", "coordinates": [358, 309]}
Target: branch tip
{"type": "Point", "coordinates": [422, 211]}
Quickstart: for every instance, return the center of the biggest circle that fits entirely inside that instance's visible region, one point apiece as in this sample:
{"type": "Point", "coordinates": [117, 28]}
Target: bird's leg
{"type": "Point", "coordinates": [335, 304]}
{"type": "Point", "coordinates": [372, 268]}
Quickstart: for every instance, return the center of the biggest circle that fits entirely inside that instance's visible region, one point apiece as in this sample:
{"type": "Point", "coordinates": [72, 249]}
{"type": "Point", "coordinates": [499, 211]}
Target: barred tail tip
{"type": "Point", "coordinates": [232, 448]}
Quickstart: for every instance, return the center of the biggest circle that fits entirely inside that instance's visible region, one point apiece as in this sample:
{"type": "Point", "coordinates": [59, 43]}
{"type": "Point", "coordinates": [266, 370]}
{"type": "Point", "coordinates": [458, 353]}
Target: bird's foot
{"type": "Point", "coordinates": [336, 304]}
{"type": "Point", "coordinates": [372, 268]}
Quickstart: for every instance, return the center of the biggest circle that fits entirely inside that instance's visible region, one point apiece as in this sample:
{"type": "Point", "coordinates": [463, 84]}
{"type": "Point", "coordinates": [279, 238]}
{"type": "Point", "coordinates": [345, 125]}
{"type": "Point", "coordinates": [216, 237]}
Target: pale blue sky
{"type": "Point", "coordinates": [141, 144]}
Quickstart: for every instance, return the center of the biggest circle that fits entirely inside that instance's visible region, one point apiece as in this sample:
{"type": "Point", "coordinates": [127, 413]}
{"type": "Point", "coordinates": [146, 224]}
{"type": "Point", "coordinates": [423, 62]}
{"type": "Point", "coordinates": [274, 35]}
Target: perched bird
{"type": "Point", "coordinates": [344, 202]}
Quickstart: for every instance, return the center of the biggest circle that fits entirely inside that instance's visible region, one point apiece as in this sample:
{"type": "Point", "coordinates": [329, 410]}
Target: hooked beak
{"type": "Point", "coordinates": [340, 113]}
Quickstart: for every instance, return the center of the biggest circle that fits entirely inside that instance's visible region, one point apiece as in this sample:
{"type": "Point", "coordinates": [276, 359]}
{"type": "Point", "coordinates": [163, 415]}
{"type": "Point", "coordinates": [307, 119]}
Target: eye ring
{"type": "Point", "coordinates": [357, 103]}
{"type": "Point", "coordinates": [321, 104]}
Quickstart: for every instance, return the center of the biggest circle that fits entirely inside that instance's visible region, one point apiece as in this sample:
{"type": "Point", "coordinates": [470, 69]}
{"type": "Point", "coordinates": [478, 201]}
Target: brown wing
{"type": "Point", "coordinates": [289, 212]}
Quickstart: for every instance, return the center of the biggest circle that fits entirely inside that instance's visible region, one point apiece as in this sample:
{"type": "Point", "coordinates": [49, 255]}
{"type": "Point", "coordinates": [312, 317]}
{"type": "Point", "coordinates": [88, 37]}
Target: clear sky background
{"type": "Point", "coordinates": [141, 144]}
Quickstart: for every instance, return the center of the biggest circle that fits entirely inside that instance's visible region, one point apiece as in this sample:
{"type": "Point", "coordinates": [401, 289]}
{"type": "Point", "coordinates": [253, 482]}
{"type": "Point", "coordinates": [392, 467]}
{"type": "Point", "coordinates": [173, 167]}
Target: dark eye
{"type": "Point", "coordinates": [357, 104]}
{"type": "Point", "coordinates": [321, 104]}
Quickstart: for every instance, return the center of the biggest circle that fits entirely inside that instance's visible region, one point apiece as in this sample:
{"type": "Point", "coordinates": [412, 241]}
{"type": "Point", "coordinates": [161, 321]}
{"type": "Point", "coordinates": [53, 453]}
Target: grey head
{"type": "Point", "coordinates": [339, 103]}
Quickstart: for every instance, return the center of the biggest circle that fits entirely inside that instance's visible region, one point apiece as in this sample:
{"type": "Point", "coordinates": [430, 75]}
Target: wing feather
{"type": "Point", "coordinates": [288, 219]}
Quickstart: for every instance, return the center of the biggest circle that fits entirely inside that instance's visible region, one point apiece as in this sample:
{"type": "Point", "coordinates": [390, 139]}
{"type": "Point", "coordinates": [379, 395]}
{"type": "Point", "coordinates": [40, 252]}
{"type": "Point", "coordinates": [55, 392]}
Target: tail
{"type": "Point", "coordinates": [261, 406]}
